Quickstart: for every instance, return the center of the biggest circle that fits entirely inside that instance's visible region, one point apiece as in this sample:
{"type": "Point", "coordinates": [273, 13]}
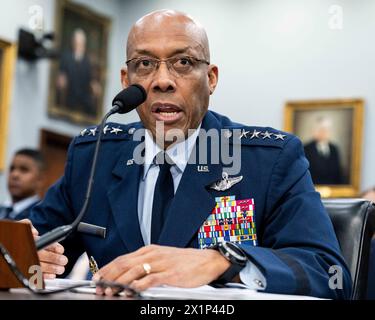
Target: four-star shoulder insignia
{"type": "Point", "coordinates": [244, 134]}
{"type": "Point", "coordinates": [255, 134]}
{"type": "Point", "coordinates": [108, 129]}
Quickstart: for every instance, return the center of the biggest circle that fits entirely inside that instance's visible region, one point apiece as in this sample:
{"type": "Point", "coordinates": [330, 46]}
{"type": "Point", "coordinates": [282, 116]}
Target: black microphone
{"type": "Point", "coordinates": [127, 100]}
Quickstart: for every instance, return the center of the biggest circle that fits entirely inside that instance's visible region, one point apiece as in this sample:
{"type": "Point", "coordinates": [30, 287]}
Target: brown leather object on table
{"type": "Point", "coordinates": [17, 238]}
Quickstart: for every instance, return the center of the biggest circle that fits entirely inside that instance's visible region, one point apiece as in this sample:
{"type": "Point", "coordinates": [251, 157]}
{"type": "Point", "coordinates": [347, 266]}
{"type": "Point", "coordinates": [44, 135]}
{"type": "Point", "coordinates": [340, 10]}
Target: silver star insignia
{"type": "Point", "coordinates": [83, 132]}
{"type": "Point", "coordinates": [116, 130]}
{"type": "Point", "coordinates": [226, 183]}
{"type": "Point", "coordinates": [267, 135]}
{"type": "Point", "coordinates": [106, 128]}
{"type": "Point", "coordinates": [244, 134]}
{"type": "Point", "coordinates": [279, 136]}
{"type": "Point", "coordinates": [255, 134]}
{"type": "Point", "coordinates": [227, 134]}
{"type": "Point", "coordinates": [93, 132]}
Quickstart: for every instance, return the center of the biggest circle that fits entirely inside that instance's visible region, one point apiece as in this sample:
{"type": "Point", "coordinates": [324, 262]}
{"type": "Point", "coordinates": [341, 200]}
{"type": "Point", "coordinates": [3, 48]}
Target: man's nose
{"type": "Point", "coordinates": [14, 174]}
{"type": "Point", "coordinates": [163, 80]}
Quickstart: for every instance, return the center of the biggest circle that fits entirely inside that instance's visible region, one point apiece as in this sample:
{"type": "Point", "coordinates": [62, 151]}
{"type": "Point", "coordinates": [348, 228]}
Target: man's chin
{"type": "Point", "coordinates": [170, 135]}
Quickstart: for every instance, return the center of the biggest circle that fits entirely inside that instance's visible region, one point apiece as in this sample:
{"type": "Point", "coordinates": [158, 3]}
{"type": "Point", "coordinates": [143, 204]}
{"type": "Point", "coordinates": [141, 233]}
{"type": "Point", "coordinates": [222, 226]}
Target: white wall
{"type": "Point", "coordinates": [268, 51]}
{"type": "Point", "coordinates": [271, 51]}
{"type": "Point", "coordinates": [30, 90]}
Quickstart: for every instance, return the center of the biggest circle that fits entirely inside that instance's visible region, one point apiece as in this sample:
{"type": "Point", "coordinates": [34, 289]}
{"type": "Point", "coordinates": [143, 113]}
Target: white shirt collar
{"type": "Point", "coordinates": [179, 152]}
{"type": "Point", "coordinates": [19, 206]}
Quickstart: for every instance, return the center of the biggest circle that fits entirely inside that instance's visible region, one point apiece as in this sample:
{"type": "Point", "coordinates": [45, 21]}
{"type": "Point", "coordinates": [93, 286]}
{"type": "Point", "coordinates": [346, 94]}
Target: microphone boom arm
{"type": "Point", "coordinates": [127, 100]}
{"type": "Point", "coordinates": [62, 232]}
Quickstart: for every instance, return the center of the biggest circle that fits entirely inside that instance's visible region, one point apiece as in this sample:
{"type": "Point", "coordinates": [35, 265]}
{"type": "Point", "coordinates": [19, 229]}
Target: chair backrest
{"type": "Point", "coordinates": [354, 224]}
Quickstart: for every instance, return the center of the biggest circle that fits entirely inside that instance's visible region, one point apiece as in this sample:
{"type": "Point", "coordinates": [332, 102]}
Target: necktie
{"type": "Point", "coordinates": [163, 195]}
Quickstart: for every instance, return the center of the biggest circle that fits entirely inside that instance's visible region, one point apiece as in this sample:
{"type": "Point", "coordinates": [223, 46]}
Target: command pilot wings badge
{"type": "Point", "coordinates": [225, 183]}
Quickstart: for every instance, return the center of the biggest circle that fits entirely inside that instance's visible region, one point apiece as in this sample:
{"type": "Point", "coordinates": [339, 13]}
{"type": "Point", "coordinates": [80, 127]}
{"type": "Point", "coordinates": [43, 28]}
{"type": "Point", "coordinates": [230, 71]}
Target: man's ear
{"type": "Point", "coordinates": [213, 77]}
{"type": "Point", "coordinates": [124, 78]}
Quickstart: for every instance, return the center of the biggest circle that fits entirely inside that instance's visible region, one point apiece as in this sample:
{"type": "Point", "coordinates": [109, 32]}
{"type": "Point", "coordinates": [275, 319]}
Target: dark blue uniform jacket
{"type": "Point", "coordinates": [296, 240]}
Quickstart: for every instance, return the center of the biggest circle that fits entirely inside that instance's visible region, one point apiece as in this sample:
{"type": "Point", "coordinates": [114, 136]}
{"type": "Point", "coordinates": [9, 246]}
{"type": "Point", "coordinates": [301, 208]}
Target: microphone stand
{"type": "Point", "coordinates": [60, 233]}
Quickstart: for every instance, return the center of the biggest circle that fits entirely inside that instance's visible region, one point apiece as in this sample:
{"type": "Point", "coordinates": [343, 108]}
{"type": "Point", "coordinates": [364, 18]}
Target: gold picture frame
{"type": "Point", "coordinates": [78, 76]}
{"type": "Point", "coordinates": [7, 60]}
{"type": "Point", "coordinates": [331, 132]}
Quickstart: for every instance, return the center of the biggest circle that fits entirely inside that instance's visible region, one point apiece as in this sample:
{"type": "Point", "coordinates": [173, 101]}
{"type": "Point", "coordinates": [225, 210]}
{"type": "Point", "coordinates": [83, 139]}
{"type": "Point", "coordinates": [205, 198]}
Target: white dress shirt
{"type": "Point", "coordinates": [179, 154]}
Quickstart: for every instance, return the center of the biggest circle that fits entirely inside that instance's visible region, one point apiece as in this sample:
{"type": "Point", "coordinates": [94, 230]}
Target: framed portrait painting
{"type": "Point", "coordinates": [7, 60]}
{"type": "Point", "coordinates": [78, 77]}
{"type": "Point", "coordinates": [331, 133]}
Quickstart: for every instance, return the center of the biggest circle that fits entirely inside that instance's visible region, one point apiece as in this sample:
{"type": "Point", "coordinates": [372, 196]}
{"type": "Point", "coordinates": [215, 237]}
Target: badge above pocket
{"type": "Point", "coordinates": [231, 220]}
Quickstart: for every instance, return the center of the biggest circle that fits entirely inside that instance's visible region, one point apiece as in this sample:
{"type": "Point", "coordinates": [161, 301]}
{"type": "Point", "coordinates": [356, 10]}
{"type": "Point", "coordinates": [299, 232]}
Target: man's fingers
{"type": "Point", "coordinates": [56, 247]}
{"type": "Point", "coordinates": [53, 258]}
{"type": "Point", "coordinates": [136, 276]}
{"type": "Point", "coordinates": [151, 280]}
{"type": "Point", "coordinates": [28, 221]}
{"type": "Point", "coordinates": [99, 291]}
{"type": "Point", "coordinates": [35, 233]}
{"type": "Point", "coordinates": [49, 276]}
{"type": "Point", "coordinates": [135, 273]}
{"type": "Point", "coordinates": [33, 230]}
{"type": "Point", "coordinates": [122, 264]}
{"type": "Point", "coordinates": [52, 268]}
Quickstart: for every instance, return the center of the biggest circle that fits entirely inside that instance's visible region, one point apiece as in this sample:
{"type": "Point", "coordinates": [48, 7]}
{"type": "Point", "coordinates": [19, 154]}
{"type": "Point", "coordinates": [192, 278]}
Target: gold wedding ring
{"type": "Point", "coordinates": [146, 268]}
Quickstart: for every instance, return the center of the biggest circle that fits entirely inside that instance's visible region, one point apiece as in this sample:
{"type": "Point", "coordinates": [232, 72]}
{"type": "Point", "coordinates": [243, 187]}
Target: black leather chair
{"type": "Point", "coordinates": [354, 223]}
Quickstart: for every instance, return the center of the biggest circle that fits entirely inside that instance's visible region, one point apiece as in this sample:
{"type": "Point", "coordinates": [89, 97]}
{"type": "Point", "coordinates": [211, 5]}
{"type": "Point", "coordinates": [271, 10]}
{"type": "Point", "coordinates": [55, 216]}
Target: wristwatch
{"type": "Point", "coordinates": [235, 255]}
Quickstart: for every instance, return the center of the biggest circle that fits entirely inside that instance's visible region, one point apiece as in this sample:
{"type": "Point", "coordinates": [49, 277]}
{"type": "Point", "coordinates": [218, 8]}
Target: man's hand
{"type": "Point", "coordinates": [51, 258]}
{"type": "Point", "coordinates": [170, 266]}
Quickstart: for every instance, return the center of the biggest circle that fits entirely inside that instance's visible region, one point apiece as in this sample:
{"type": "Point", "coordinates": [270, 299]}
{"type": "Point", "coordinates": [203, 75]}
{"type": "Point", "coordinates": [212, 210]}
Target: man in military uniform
{"type": "Point", "coordinates": [184, 223]}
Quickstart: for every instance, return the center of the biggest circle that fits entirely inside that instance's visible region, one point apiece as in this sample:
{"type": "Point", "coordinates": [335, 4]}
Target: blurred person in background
{"type": "Point", "coordinates": [25, 179]}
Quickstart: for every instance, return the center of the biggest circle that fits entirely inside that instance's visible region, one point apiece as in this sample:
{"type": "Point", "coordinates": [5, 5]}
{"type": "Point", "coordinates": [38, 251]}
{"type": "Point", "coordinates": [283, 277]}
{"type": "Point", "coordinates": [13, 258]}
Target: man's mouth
{"type": "Point", "coordinates": [13, 186]}
{"type": "Point", "coordinates": [167, 112]}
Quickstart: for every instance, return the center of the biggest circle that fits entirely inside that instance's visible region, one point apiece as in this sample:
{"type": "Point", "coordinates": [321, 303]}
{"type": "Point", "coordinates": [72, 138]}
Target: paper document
{"type": "Point", "coordinates": [52, 284]}
{"type": "Point", "coordinates": [210, 293]}
{"type": "Point", "coordinates": [200, 293]}
{"type": "Point", "coordinates": [233, 292]}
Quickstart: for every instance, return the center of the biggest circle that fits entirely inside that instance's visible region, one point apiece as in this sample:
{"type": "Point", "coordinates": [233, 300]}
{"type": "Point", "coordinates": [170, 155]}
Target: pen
{"type": "Point", "coordinates": [93, 265]}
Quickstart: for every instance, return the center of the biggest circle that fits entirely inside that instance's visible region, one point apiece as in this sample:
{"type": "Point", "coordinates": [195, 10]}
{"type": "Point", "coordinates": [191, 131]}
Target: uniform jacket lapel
{"type": "Point", "coordinates": [123, 198]}
{"type": "Point", "coordinates": [193, 202]}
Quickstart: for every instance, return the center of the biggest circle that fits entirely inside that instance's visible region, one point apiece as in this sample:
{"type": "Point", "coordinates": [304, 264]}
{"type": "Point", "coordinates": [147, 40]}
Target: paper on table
{"type": "Point", "coordinates": [52, 284]}
{"type": "Point", "coordinates": [237, 292]}
{"type": "Point", "coordinates": [200, 293]}
{"type": "Point", "coordinates": [210, 293]}
{"type": "Point", "coordinates": [162, 292]}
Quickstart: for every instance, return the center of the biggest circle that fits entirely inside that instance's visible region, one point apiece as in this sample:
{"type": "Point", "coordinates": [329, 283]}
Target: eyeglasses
{"type": "Point", "coordinates": [179, 66]}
